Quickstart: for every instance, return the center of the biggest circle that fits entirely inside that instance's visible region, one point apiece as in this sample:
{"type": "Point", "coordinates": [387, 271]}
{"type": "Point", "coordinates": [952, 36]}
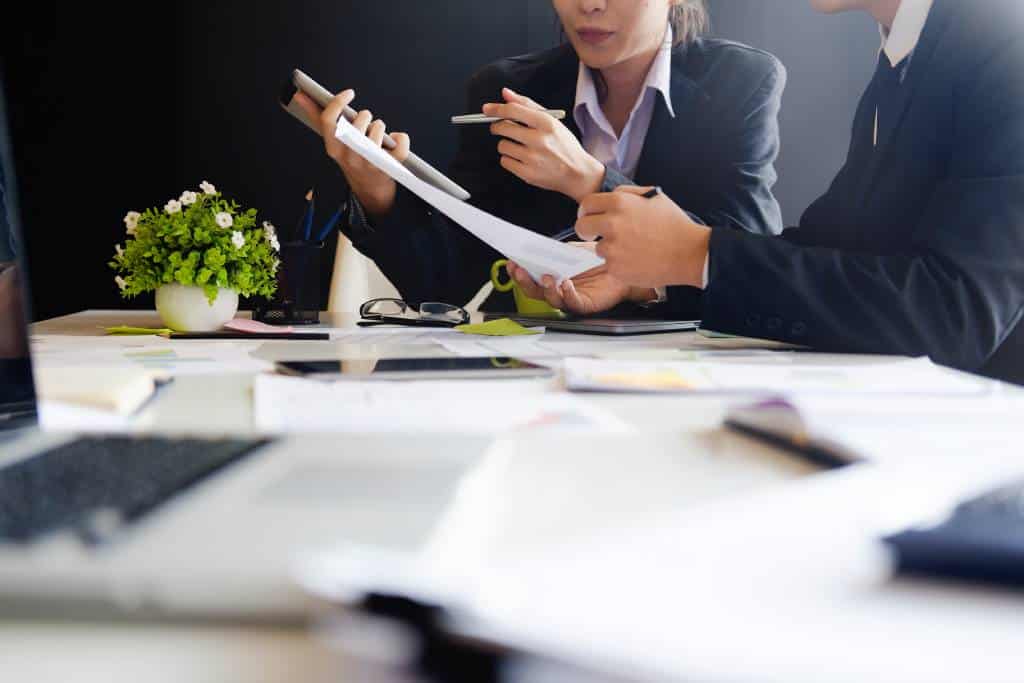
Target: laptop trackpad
{"type": "Point", "coordinates": [394, 507]}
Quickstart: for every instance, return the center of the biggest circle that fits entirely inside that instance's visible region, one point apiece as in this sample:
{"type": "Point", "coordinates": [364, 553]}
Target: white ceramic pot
{"type": "Point", "coordinates": [186, 309]}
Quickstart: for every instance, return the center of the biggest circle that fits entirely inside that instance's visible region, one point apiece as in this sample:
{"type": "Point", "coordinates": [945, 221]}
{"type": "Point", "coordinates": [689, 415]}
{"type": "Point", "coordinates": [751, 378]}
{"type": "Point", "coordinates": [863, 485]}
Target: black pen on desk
{"type": "Point", "coordinates": [285, 336]}
{"type": "Point", "coordinates": [569, 233]}
{"type": "Point", "coordinates": [805, 449]}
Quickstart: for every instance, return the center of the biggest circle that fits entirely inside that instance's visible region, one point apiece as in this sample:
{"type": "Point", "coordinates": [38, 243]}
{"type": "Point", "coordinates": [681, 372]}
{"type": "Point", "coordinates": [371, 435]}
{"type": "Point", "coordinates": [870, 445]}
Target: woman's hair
{"type": "Point", "coordinates": [689, 20]}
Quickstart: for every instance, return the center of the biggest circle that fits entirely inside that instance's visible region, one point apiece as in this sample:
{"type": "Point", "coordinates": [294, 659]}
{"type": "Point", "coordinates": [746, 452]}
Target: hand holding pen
{"type": "Point", "coordinates": [537, 148]}
{"type": "Point", "coordinates": [569, 234]}
{"type": "Point", "coordinates": [646, 239]}
{"type": "Point", "coordinates": [598, 289]}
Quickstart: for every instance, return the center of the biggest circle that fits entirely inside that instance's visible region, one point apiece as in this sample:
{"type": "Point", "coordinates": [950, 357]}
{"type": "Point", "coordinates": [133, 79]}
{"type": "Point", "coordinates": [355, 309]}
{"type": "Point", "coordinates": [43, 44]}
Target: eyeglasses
{"type": "Point", "coordinates": [398, 312]}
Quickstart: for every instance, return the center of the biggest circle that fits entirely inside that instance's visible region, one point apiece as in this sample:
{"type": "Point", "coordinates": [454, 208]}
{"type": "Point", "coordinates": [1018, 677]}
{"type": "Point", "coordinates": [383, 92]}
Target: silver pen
{"type": "Point", "coordinates": [464, 119]}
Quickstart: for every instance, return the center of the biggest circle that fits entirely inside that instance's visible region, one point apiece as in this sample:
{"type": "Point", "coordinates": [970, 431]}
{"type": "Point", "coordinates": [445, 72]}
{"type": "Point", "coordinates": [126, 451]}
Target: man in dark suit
{"type": "Point", "coordinates": [918, 246]}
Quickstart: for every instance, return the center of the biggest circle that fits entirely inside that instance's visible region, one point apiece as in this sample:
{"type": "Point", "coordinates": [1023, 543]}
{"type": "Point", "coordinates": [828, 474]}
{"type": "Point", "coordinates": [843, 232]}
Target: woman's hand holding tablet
{"type": "Point", "coordinates": [375, 189]}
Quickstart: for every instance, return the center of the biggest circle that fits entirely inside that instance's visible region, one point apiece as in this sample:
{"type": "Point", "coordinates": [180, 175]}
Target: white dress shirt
{"type": "Point", "coordinates": [898, 43]}
{"type": "Point", "coordinates": [622, 152]}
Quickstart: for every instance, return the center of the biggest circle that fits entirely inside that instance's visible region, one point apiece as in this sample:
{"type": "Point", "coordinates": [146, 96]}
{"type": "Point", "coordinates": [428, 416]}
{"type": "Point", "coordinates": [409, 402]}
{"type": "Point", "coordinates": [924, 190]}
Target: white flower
{"type": "Point", "coordinates": [224, 219]}
{"type": "Point", "coordinates": [172, 207]}
{"type": "Point", "coordinates": [121, 282]}
{"type": "Point", "coordinates": [131, 222]}
{"type": "Point", "coordinates": [207, 187]}
{"type": "Point", "coordinates": [274, 266]}
{"type": "Point", "coordinates": [237, 239]}
{"type": "Point", "coordinates": [188, 198]}
{"type": "Point", "coordinates": [270, 232]}
{"type": "Point", "coordinates": [120, 251]}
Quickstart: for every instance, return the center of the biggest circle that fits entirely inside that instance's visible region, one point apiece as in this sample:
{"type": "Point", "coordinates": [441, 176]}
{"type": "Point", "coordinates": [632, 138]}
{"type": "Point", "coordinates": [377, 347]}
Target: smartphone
{"type": "Point", "coordinates": [416, 368]}
{"type": "Point", "coordinates": [300, 82]}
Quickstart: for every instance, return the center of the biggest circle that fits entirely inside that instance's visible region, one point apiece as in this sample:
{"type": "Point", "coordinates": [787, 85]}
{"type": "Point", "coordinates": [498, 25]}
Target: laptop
{"type": "Point", "coordinates": [176, 527]}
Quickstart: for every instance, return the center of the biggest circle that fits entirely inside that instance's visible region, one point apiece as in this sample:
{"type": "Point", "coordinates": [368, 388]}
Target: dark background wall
{"type": "Point", "coordinates": [124, 108]}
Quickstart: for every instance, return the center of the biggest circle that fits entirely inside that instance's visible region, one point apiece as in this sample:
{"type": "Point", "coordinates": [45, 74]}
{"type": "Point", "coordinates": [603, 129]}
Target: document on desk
{"type": "Point", "coordinates": [884, 377]}
{"type": "Point", "coordinates": [538, 254]}
{"type": "Point", "coordinates": [163, 358]}
{"type": "Point", "coordinates": [288, 404]}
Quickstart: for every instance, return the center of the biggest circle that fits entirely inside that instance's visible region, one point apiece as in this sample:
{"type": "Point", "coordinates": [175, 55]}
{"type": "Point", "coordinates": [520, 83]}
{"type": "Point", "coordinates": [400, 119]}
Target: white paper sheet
{"type": "Point", "coordinates": [474, 346]}
{"type": "Point", "coordinates": [538, 254]}
{"type": "Point", "coordinates": [289, 404]}
{"type": "Point", "coordinates": [162, 357]}
{"type": "Point", "coordinates": [66, 417]}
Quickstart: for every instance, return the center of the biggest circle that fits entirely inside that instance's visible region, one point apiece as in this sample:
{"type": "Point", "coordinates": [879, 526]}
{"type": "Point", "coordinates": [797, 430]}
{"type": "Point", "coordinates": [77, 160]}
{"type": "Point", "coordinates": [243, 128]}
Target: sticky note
{"type": "Point", "coordinates": [127, 331]}
{"type": "Point", "coordinates": [498, 328]}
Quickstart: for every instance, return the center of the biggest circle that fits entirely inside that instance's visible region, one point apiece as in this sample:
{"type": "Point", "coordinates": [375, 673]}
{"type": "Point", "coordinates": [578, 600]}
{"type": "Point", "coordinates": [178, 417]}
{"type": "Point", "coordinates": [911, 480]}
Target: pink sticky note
{"type": "Point", "coordinates": [256, 327]}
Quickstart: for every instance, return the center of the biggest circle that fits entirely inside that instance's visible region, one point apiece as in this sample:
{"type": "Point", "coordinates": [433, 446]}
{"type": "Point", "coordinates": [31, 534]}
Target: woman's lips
{"type": "Point", "coordinates": [593, 36]}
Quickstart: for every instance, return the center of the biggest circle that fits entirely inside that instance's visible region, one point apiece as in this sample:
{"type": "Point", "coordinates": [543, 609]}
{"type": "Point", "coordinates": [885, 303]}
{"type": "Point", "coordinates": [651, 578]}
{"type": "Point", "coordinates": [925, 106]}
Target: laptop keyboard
{"type": "Point", "coordinates": [94, 485]}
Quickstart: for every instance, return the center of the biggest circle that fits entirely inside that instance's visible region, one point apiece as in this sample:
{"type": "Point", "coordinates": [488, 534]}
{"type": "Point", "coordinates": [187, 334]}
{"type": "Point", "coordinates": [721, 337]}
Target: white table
{"type": "Point", "coordinates": [682, 459]}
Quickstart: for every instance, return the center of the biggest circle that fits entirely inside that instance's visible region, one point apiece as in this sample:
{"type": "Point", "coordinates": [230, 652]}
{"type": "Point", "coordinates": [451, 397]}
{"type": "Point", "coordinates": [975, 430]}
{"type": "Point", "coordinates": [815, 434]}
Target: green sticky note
{"type": "Point", "coordinates": [129, 331]}
{"type": "Point", "coordinates": [714, 335]}
{"type": "Point", "coordinates": [497, 328]}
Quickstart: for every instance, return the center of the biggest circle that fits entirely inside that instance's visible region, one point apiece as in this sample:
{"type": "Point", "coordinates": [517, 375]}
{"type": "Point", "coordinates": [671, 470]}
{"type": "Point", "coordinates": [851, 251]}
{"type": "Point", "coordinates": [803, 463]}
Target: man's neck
{"type": "Point", "coordinates": [884, 11]}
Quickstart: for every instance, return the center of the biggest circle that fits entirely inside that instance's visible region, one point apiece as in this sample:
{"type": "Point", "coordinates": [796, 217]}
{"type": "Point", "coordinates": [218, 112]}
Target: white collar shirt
{"type": "Point", "coordinates": [622, 152]}
{"type": "Point", "coordinates": [899, 42]}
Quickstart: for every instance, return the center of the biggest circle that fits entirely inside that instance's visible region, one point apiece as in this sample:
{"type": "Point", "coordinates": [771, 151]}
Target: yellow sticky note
{"type": "Point", "coordinates": [128, 331]}
{"type": "Point", "coordinates": [497, 328]}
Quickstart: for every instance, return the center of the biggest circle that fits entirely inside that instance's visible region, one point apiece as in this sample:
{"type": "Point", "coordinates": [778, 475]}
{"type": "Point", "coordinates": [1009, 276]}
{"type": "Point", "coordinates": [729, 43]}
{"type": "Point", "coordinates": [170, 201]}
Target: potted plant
{"type": "Point", "coordinates": [198, 253]}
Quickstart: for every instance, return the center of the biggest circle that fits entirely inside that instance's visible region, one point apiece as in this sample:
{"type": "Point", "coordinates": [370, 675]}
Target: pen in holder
{"type": "Point", "coordinates": [298, 287]}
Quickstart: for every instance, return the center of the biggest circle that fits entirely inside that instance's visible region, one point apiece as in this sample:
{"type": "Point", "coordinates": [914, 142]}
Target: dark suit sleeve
{"type": "Point", "coordinates": [7, 246]}
{"type": "Point", "coordinates": [748, 141]}
{"type": "Point", "coordinates": [743, 175]}
{"type": "Point", "coordinates": [424, 254]}
{"type": "Point", "coordinates": [954, 296]}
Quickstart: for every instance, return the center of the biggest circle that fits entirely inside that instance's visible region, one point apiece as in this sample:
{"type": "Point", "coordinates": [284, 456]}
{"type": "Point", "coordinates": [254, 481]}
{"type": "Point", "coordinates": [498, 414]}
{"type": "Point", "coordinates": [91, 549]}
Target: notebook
{"type": "Point", "coordinates": [116, 390]}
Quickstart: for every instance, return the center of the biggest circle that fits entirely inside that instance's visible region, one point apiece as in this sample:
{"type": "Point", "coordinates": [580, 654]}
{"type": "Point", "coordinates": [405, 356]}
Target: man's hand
{"type": "Point", "coordinates": [645, 242]}
{"type": "Point", "coordinates": [540, 150]}
{"type": "Point", "coordinates": [374, 189]}
{"type": "Point", "coordinates": [591, 292]}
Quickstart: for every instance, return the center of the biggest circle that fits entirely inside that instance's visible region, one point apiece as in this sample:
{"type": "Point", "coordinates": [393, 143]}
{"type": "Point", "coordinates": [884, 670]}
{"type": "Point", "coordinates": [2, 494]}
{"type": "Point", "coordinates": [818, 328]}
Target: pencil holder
{"type": "Point", "coordinates": [298, 287]}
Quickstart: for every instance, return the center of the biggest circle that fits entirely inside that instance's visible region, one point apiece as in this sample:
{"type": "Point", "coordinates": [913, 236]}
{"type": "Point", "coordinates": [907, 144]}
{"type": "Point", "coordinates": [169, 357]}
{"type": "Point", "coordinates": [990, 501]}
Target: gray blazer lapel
{"type": "Point", "coordinates": [688, 100]}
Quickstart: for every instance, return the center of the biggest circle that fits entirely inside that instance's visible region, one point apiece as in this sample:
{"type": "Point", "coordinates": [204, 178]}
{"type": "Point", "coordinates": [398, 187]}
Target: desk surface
{"type": "Point", "coordinates": [680, 428]}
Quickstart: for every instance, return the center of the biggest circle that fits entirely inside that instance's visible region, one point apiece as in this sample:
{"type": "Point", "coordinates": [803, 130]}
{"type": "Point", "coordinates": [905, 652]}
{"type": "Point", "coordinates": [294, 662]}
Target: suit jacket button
{"type": "Point", "coordinates": [773, 323]}
{"type": "Point", "coordinates": [798, 329]}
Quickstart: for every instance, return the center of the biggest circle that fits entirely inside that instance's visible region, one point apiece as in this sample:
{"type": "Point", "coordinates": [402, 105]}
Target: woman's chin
{"type": "Point", "coordinates": [596, 61]}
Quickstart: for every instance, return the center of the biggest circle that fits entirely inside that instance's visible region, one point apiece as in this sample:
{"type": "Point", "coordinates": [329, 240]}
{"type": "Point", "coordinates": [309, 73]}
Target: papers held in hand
{"type": "Point", "coordinates": [538, 254]}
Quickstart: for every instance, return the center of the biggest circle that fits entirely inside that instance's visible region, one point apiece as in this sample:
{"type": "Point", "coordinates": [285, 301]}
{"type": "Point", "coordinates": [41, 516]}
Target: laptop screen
{"type": "Point", "coordinates": [17, 394]}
